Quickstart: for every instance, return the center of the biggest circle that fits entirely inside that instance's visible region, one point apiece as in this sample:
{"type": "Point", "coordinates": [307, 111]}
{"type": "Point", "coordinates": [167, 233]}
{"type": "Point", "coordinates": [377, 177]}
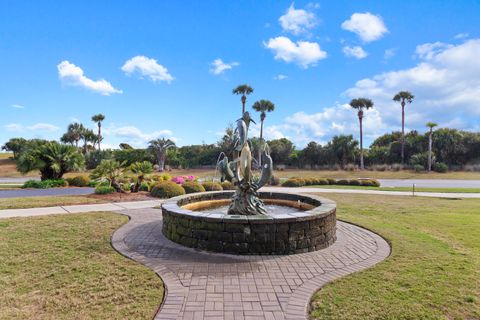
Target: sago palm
{"type": "Point", "coordinates": [243, 90]}
{"type": "Point", "coordinates": [430, 125]}
{"type": "Point", "coordinates": [140, 169]}
{"type": "Point", "coordinates": [98, 118]}
{"type": "Point", "coordinates": [403, 97]}
{"type": "Point", "coordinates": [361, 104]}
{"type": "Point", "coordinates": [262, 106]}
{"type": "Point", "coordinates": [111, 171]}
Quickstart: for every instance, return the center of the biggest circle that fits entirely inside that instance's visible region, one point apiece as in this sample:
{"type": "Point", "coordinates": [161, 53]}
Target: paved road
{"type": "Point", "coordinates": [17, 180]}
{"type": "Point", "coordinates": [430, 183]}
{"type": "Point", "coordinates": [15, 193]}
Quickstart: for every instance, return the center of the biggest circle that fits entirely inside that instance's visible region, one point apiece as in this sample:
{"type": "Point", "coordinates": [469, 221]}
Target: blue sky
{"type": "Point", "coordinates": [167, 68]}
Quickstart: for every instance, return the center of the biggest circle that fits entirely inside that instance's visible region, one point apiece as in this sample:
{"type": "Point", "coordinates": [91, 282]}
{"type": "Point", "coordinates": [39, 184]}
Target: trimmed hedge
{"type": "Point", "coordinates": [192, 187]}
{"type": "Point", "coordinates": [45, 184]}
{"type": "Point", "coordinates": [212, 186]}
{"type": "Point", "coordinates": [331, 181]}
{"type": "Point", "coordinates": [298, 182]}
{"type": "Point", "coordinates": [343, 182]}
{"type": "Point", "coordinates": [227, 185]}
{"type": "Point", "coordinates": [167, 189]}
{"type": "Point", "coordinates": [104, 190]}
{"type": "Point", "coordinates": [294, 182]}
{"type": "Point", "coordinates": [79, 181]}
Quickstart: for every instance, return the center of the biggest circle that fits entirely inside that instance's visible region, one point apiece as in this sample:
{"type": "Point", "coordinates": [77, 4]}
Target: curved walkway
{"type": "Point", "coordinates": [201, 285]}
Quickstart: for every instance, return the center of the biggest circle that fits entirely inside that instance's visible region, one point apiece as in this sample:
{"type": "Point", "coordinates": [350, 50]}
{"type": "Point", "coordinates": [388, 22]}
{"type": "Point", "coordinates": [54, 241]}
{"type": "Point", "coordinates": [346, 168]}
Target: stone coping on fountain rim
{"type": "Point", "coordinates": [289, 233]}
{"type": "Point", "coordinates": [322, 207]}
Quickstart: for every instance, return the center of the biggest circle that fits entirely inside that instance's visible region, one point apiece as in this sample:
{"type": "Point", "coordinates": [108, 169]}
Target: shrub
{"type": "Point", "coordinates": [343, 182]}
{"type": "Point", "coordinates": [294, 182]}
{"type": "Point", "coordinates": [144, 187]}
{"type": "Point", "coordinates": [397, 167]}
{"type": "Point", "coordinates": [309, 181]}
{"type": "Point", "coordinates": [167, 189]}
{"type": "Point", "coordinates": [93, 158]}
{"type": "Point", "coordinates": [45, 184]}
{"type": "Point", "coordinates": [178, 180]}
{"type": "Point", "coordinates": [78, 181]}
{"type": "Point", "coordinates": [164, 177]}
{"type": "Point", "coordinates": [440, 167]}
{"type": "Point", "coordinates": [192, 187]}
{"type": "Point", "coordinates": [331, 181]}
{"type": "Point", "coordinates": [354, 182]}
{"type": "Point", "coordinates": [418, 168]}
{"type": "Point", "coordinates": [370, 183]}
{"type": "Point", "coordinates": [350, 167]}
{"type": "Point", "coordinates": [227, 185]}
{"type": "Point", "coordinates": [212, 186]}
{"type": "Point", "coordinates": [93, 184]}
{"type": "Point", "coordinates": [321, 181]}
{"type": "Point", "coordinates": [104, 190]}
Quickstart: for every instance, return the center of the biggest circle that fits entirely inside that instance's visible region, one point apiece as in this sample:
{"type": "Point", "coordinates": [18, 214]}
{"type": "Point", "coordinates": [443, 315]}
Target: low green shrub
{"type": "Point", "coordinates": [295, 182]}
{"type": "Point", "coordinates": [45, 184]}
{"type": "Point", "coordinates": [144, 187]}
{"type": "Point", "coordinates": [167, 189]}
{"type": "Point", "coordinates": [310, 181]}
{"type": "Point", "coordinates": [354, 182]}
{"type": "Point", "coordinates": [104, 190]}
{"type": "Point", "coordinates": [78, 181]}
{"type": "Point", "coordinates": [212, 186]}
{"type": "Point", "coordinates": [93, 184]}
{"type": "Point", "coordinates": [418, 168]}
{"type": "Point", "coordinates": [227, 185]}
{"type": "Point", "coordinates": [331, 181]}
{"type": "Point", "coordinates": [192, 187]}
{"type": "Point", "coordinates": [164, 177]}
{"type": "Point", "coordinates": [343, 182]}
{"type": "Point", "coordinates": [370, 183]}
{"type": "Point", "coordinates": [440, 167]}
{"type": "Point", "coordinates": [321, 182]}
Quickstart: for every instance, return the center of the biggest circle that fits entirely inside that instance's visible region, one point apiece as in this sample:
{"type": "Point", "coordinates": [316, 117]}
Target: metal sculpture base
{"type": "Point", "coordinates": [245, 201]}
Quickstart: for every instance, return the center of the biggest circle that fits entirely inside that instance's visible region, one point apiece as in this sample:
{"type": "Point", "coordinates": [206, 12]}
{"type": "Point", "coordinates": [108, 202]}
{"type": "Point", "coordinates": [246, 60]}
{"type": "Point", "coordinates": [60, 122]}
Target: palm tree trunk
{"type": "Point", "coordinates": [261, 145]}
{"type": "Point", "coordinates": [403, 132]}
{"type": "Point", "coordinates": [361, 144]}
{"type": "Point", "coordinates": [99, 134]}
{"type": "Point", "coordinates": [430, 151]}
{"type": "Point", "coordinates": [244, 99]}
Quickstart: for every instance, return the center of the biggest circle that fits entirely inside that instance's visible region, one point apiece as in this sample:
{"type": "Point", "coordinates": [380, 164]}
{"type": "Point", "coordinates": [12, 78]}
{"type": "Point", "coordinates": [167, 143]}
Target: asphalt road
{"type": "Point", "coordinates": [430, 183]}
{"type": "Point", "coordinates": [15, 193]}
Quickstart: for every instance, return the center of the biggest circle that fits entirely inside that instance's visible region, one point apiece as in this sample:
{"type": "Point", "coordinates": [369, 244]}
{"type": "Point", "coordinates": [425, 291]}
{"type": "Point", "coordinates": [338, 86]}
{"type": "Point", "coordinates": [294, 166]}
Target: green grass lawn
{"type": "Point", "coordinates": [409, 189]}
{"type": "Point", "coordinates": [432, 273]}
{"type": "Point", "coordinates": [36, 202]}
{"type": "Point", "coordinates": [64, 267]}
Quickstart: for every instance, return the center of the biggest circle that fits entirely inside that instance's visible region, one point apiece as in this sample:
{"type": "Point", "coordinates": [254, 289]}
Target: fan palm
{"type": "Point", "coordinates": [160, 147]}
{"type": "Point", "coordinates": [360, 104]}
{"type": "Point", "coordinates": [52, 159]}
{"type": "Point", "coordinates": [262, 106]}
{"type": "Point", "coordinates": [74, 133]}
{"type": "Point", "coordinates": [98, 118]}
{"type": "Point", "coordinates": [111, 171]}
{"type": "Point", "coordinates": [430, 125]}
{"type": "Point", "coordinates": [140, 169]}
{"type": "Point", "coordinates": [403, 97]}
{"type": "Point", "coordinates": [244, 90]}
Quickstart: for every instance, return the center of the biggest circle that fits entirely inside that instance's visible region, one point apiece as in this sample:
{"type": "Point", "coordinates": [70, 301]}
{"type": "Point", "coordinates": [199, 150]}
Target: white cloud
{"type": "Point", "coordinates": [297, 21]}
{"type": "Point", "coordinates": [72, 75]}
{"type": "Point", "coordinates": [280, 77]}
{"type": "Point", "coordinates": [303, 53]}
{"type": "Point", "coordinates": [18, 106]}
{"type": "Point", "coordinates": [389, 53]}
{"type": "Point", "coordinates": [355, 52]}
{"type": "Point", "coordinates": [367, 26]}
{"type": "Point", "coordinates": [43, 127]}
{"type": "Point", "coordinates": [462, 35]}
{"type": "Point", "coordinates": [147, 67]}
{"type": "Point", "coordinates": [36, 127]}
{"type": "Point", "coordinates": [445, 83]}
{"type": "Point", "coordinates": [218, 66]}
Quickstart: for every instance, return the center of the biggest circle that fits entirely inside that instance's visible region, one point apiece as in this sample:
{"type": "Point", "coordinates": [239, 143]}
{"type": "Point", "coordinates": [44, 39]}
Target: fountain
{"type": "Point", "coordinates": [249, 221]}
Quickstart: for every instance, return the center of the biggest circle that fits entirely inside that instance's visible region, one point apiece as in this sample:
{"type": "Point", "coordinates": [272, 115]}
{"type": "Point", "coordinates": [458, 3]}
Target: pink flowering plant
{"type": "Point", "coordinates": [182, 179]}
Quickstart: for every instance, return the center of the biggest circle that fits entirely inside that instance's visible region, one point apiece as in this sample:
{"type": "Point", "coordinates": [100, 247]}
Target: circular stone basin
{"type": "Point", "coordinates": [294, 224]}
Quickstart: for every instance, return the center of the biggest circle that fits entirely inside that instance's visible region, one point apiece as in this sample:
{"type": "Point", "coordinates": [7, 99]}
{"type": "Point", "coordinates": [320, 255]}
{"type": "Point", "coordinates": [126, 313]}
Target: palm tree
{"type": "Point", "coordinates": [244, 90]}
{"type": "Point", "coordinates": [52, 159]}
{"type": "Point", "coordinates": [403, 97]}
{"type": "Point", "coordinates": [431, 125]}
{"type": "Point", "coordinates": [110, 170]}
{"type": "Point", "coordinates": [88, 136]}
{"type": "Point", "coordinates": [74, 133]}
{"type": "Point", "coordinates": [262, 106]}
{"type": "Point", "coordinates": [160, 147]}
{"type": "Point", "coordinates": [98, 118]}
{"type": "Point", "coordinates": [360, 104]}
{"type": "Point", "coordinates": [140, 169]}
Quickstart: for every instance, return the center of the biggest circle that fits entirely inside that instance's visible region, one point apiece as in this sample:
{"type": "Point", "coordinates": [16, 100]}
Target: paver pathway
{"type": "Point", "coordinates": [201, 285]}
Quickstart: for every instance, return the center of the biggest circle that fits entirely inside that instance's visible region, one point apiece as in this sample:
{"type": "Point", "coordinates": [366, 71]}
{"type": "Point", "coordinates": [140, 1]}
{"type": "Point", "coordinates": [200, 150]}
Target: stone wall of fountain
{"type": "Point", "coordinates": [310, 228]}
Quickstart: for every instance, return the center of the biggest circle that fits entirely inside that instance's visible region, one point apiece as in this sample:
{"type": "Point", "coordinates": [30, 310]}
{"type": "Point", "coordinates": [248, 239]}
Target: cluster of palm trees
{"type": "Point", "coordinates": [77, 132]}
{"type": "Point", "coordinates": [404, 97]}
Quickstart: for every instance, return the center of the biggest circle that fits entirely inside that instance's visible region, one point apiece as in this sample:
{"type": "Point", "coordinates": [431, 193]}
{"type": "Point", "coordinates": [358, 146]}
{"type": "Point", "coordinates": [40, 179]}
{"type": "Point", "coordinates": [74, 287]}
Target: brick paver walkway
{"type": "Point", "coordinates": [201, 285]}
